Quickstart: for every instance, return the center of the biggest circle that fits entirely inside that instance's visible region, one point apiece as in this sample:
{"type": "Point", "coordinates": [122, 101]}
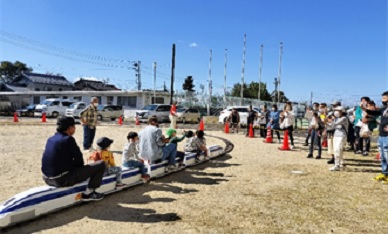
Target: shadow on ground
{"type": "Point", "coordinates": [116, 207]}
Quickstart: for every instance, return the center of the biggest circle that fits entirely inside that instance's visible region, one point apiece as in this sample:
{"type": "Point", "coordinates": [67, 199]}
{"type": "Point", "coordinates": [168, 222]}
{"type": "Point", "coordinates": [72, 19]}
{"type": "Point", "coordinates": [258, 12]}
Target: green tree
{"type": "Point", "coordinates": [9, 70]}
{"type": "Point", "coordinates": [274, 97]}
{"type": "Point", "coordinates": [251, 91]}
{"type": "Point", "coordinates": [188, 84]}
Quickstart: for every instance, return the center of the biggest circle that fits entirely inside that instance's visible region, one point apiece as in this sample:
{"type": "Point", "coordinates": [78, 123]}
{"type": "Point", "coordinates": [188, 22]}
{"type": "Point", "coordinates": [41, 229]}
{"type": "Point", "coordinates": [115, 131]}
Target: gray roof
{"type": "Point", "coordinates": [44, 79]}
{"type": "Point", "coordinates": [13, 88]}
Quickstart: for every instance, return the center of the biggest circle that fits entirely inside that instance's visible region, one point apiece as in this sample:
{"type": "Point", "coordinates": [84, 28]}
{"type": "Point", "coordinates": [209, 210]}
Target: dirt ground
{"type": "Point", "coordinates": [251, 190]}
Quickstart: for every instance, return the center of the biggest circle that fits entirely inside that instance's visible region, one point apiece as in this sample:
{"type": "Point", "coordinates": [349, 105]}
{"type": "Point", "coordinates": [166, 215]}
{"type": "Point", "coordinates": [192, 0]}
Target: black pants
{"type": "Point", "coordinates": [263, 130]}
{"type": "Point", "coordinates": [308, 137]}
{"type": "Point", "coordinates": [277, 133]}
{"type": "Point", "coordinates": [93, 171]}
{"type": "Point", "coordinates": [290, 130]}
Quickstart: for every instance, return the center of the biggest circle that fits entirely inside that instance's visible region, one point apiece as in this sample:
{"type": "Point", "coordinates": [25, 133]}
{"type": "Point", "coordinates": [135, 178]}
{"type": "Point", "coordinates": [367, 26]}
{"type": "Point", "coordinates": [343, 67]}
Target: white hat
{"type": "Point", "coordinates": [339, 108]}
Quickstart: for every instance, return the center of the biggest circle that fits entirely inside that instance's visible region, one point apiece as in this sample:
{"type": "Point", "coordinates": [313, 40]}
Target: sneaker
{"type": "Point", "coordinates": [365, 153]}
{"type": "Point", "coordinates": [93, 196]}
{"type": "Point", "coordinates": [279, 141]}
{"type": "Point", "coordinates": [310, 156]}
{"type": "Point", "coordinates": [381, 177]}
{"type": "Point", "coordinates": [292, 147]}
{"type": "Point", "coordinates": [358, 152]}
{"type": "Point", "coordinates": [335, 168]}
{"type": "Point", "coordinates": [318, 157]}
{"type": "Point", "coordinates": [146, 178]}
{"type": "Point", "coordinates": [331, 161]}
{"type": "Point", "coordinates": [306, 144]}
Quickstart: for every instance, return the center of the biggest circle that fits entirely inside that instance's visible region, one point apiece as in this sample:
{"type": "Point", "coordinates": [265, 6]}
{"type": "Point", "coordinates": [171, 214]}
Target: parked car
{"type": "Point", "coordinates": [26, 111]}
{"type": "Point", "coordinates": [162, 111]}
{"type": "Point", "coordinates": [185, 115]}
{"type": "Point", "coordinates": [242, 110]}
{"type": "Point", "coordinates": [109, 112]}
{"type": "Point", "coordinates": [75, 109]}
{"type": "Point", "coordinates": [52, 107]}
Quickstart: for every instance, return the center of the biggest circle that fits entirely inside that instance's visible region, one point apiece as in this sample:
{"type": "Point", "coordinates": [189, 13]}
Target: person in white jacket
{"type": "Point", "coordinates": [288, 122]}
{"type": "Point", "coordinates": [341, 125]}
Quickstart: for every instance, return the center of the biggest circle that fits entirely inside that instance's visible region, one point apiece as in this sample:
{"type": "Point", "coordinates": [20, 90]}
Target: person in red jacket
{"type": "Point", "coordinates": [173, 115]}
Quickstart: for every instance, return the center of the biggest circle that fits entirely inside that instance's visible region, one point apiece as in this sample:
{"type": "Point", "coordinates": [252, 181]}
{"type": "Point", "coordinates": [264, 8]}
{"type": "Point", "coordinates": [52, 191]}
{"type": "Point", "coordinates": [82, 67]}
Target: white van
{"type": "Point", "coordinates": [52, 107]}
{"type": "Point", "coordinates": [75, 109]}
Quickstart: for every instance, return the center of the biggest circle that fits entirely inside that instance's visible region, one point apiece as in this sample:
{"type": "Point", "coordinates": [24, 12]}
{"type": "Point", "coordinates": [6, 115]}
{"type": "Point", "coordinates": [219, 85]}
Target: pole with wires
{"type": "Point", "coordinates": [242, 72]}
{"type": "Point", "coordinates": [226, 61]}
{"type": "Point", "coordinates": [280, 69]}
{"type": "Point", "coordinates": [154, 82]}
{"type": "Point", "coordinates": [210, 84]}
{"type": "Point", "coordinates": [260, 69]}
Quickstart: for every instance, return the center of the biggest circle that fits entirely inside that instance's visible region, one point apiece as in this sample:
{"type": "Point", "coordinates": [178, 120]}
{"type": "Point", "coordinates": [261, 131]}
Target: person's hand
{"type": "Point", "coordinates": [364, 120]}
{"type": "Point", "coordinates": [386, 128]}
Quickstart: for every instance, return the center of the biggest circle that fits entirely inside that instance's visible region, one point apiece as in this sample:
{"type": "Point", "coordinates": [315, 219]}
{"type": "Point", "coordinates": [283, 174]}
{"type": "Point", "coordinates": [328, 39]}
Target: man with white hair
{"type": "Point", "coordinates": [88, 118]}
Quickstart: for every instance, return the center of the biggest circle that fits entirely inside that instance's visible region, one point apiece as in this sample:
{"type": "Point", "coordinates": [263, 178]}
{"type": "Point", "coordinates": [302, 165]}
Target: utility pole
{"type": "Point", "coordinates": [260, 69]}
{"type": "Point", "coordinates": [311, 98]}
{"type": "Point", "coordinates": [210, 84]}
{"type": "Point", "coordinates": [154, 82]}
{"type": "Point", "coordinates": [172, 73]}
{"type": "Point", "coordinates": [242, 72]}
{"type": "Point", "coordinates": [226, 61]}
{"type": "Point", "coordinates": [276, 82]}
{"type": "Point", "coordinates": [280, 69]}
{"type": "Point", "coordinates": [138, 74]}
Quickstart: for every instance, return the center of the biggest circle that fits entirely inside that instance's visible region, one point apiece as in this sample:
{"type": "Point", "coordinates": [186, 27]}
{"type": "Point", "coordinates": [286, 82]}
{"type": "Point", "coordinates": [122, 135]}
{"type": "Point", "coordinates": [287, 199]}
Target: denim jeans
{"type": "Point", "coordinates": [315, 139]}
{"type": "Point", "coordinates": [114, 170]}
{"type": "Point", "coordinates": [133, 163]}
{"type": "Point", "coordinates": [169, 153]}
{"type": "Point", "coordinates": [88, 136]}
{"type": "Point", "coordinates": [383, 149]}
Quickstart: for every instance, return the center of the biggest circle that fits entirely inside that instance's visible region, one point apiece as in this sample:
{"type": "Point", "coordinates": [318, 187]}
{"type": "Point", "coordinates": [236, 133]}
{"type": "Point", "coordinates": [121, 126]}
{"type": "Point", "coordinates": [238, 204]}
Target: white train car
{"type": "Point", "coordinates": [46, 199]}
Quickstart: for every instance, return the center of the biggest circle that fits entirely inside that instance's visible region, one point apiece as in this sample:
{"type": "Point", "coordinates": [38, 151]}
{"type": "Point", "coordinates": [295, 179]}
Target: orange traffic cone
{"type": "Point", "coordinates": [285, 142]}
{"type": "Point", "coordinates": [15, 117]}
{"type": "Point", "coordinates": [121, 120]}
{"type": "Point", "coordinates": [226, 129]}
{"type": "Point", "coordinates": [44, 117]}
{"type": "Point", "coordinates": [201, 125]}
{"type": "Point", "coordinates": [251, 131]}
{"type": "Point", "coordinates": [137, 121]}
{"type": "Point", "coordinates": [378, 156]}
{"type": "Point", "coordinates": [268, 139]}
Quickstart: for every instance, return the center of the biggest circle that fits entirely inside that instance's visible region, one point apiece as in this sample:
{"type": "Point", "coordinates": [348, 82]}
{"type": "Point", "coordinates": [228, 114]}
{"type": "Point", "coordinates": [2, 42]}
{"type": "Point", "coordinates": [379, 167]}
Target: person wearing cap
{"type": "Point", "coordinates": [103, 153]}
{"type": "Point", "coordinates": [63, 164]}
{"type": "Point", "coordinates": [88, 118]}
{"type": "Point", "coordinates": [173, 115]}
{"type": "Point", "coordinates": [131, 158]}
{"type": "Point", "coordinates": [383, 136]}
{"type": "Point", "coordinates": [153, 145]}
{"type": "Point", "coordinates": [341, 125]}
{"type": "Point", "coordinates": [171, 135]}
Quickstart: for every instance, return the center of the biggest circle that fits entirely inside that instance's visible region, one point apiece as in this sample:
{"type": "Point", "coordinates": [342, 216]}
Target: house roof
{"type": "Point", "coordinates": [43, 79]}
{"type": "Point", "coordinates": [13, 88]}
{"type": "Point", "coordinates": [94, 85]}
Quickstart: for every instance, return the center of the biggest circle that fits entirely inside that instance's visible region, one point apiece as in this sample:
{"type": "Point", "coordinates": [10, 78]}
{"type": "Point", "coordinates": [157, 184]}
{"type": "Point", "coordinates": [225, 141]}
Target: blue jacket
{"type": "Point", "coordinates": [61, 154]}
{"type": "Point", "coordinates": [357, 115]}
{"type": "Point", "coordinates": [275, 116]}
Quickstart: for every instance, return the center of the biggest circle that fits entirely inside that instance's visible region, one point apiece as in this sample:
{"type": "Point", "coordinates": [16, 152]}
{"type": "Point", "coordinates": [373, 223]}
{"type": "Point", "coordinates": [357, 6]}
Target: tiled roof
{"type": "Point", "coordinates": [44, 79]}
{"type": "Point", "coordinates": [13, 88]}
{"type": "Point", "coordinates": [94, 85]}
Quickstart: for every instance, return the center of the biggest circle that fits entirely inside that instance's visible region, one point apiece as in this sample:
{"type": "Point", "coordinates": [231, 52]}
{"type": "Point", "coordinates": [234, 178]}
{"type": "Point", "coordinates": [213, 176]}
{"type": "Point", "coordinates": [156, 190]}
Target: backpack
{"type": "Point", "coordinates": [95, 156]}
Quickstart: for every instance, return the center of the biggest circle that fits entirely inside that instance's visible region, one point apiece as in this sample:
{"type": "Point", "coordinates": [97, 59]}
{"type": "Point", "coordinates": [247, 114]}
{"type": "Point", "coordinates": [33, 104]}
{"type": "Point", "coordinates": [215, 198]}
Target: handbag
{"type": "Point", "coordinates": [365, 132]}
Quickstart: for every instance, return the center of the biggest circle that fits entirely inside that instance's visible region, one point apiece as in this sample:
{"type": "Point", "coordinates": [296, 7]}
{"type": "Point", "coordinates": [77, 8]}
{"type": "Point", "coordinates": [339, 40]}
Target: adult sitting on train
{"type": "Point", "coordinates": [153, 145]}
{"type": "Point", "coordinates": [63, 164]}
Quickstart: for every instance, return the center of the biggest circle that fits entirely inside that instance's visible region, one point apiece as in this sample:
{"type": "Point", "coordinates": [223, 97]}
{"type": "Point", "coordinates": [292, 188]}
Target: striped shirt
{"type": "Point", "coordinates": [90, 115]}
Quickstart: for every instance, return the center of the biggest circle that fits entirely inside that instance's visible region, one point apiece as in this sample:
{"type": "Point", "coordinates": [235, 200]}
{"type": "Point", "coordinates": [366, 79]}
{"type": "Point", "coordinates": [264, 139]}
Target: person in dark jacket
{"type": "Point", "coordinates": [63, 164]}
{"type": "Point", "coordinates": [383, 137]}
{"type": "Point", "coordinates": [250, 119]}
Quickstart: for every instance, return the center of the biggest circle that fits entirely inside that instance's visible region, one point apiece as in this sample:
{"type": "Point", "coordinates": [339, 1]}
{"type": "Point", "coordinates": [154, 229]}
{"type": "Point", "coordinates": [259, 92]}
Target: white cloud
{"type": "Point", "coordinates": [194, 44]}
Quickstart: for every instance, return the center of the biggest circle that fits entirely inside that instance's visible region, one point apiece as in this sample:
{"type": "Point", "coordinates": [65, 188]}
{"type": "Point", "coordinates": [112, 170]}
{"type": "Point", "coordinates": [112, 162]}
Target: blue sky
{"type": "Point", "coordinates": [336, 49]}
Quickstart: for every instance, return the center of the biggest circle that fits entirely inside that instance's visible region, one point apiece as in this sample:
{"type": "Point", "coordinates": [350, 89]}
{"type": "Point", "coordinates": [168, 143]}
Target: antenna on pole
{"type": "Point", "coordinates": [260, 69]}
{"type": "Point", "coordinates": [226, 61]}
{"type": "Point", "coordinates": [242, 72]}
{"type": "Point", "coordinates": [280, 69]}
{"type": "Point", "coordinates": [154, 82]}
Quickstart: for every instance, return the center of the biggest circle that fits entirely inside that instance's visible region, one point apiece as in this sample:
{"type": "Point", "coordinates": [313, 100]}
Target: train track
{"type": "Point", "coordinates": [229, 146]}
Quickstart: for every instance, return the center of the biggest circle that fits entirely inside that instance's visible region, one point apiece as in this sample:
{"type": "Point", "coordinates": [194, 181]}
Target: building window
{"type": "Point", "coordinates": [159, 100]}
{"type": "Point", "coordinates": [49, 89]}
{"type": "Point", "coordinates": [109, 100]}
{"type": "Point", "coordinates": [77, 98]}
{"type": "Point", "coordinates": [127, 101]}
{"type": "Point", "coordinates": [36, 99]}
{"type": "Point", "coordinates": [37, 89]}
{"type": "Point", "coordinates": [60, 89]}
